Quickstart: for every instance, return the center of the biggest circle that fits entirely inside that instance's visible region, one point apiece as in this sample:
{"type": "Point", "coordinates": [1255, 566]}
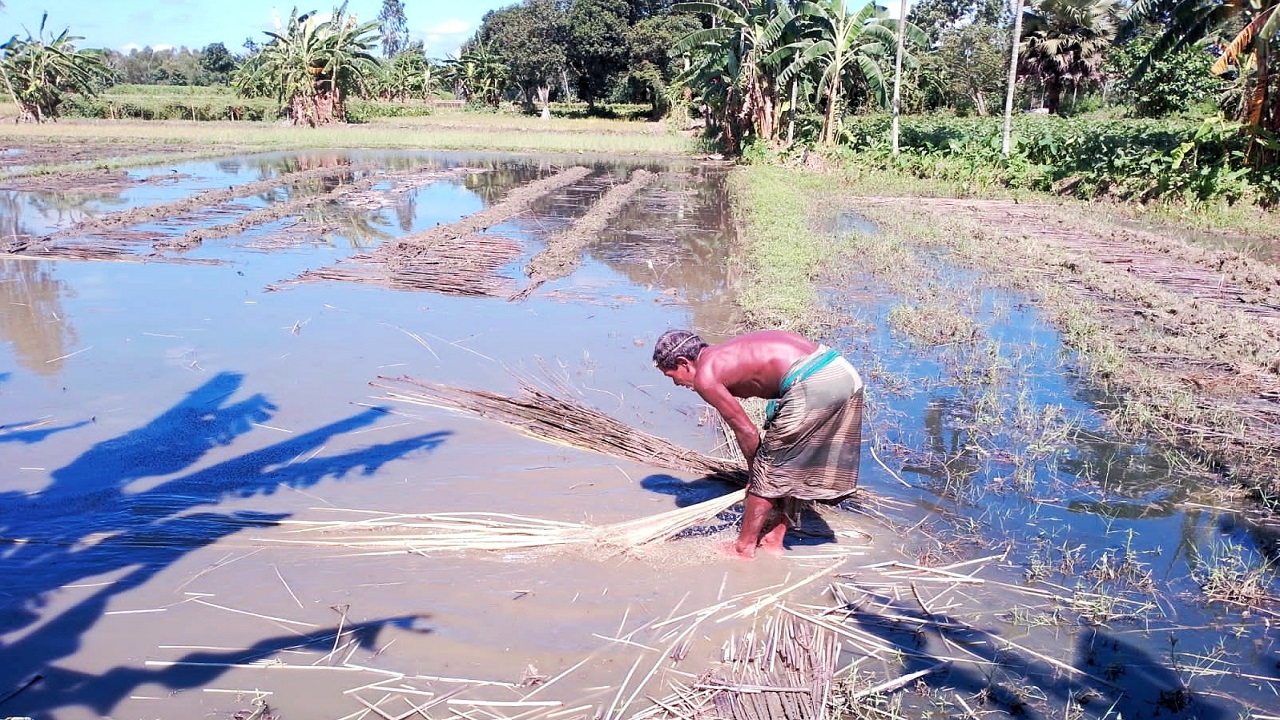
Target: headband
{"type": "Point", "coordinates": [680, 344]}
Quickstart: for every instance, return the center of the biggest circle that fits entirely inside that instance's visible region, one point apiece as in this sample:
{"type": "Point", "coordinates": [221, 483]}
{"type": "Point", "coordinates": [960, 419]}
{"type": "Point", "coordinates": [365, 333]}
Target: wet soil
{"type": "Point", "coordinates": [17, 159]}
{"type": "Point", "coordinates": [1153, 290]}
{"type": "Point", "coordinates": [161, 422]}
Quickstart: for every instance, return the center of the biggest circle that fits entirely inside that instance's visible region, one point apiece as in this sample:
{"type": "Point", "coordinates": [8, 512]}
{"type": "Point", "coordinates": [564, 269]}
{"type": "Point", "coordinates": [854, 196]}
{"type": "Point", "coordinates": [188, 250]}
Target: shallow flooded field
{"type": "Point", "coordinates": [186, 373]}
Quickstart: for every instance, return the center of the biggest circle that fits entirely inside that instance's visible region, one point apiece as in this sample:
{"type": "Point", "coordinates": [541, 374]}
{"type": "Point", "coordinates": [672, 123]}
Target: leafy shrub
{"type": "Point", "coordinates": [1129, 159]}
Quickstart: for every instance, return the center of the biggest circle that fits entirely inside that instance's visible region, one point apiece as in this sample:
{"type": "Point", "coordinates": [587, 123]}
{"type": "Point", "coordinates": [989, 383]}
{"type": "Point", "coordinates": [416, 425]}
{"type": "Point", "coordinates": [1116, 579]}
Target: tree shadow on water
{"type": "Point", "coordinates": [96, 519]}
{"type": "Point", "coordinates": [63, 688]}
{"type": "Point", "coordinates": [1108, 677]}
{"type": "Point", "coordinates": [25, 431]}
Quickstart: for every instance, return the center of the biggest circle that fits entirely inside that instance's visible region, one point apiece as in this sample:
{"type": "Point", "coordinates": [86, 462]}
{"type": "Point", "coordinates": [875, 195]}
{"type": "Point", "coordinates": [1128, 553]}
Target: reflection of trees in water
{"type": "Point", "coordinates": [406, 208]}
{"type": "Point", "coordinates": [12, 210]}
{"type": "Point", "coordinates": [268, 167]}
{"type": "Point", "coordinates": [18, 209]}
{"type": "Point", "coordinates": [948, 458]}
{"type": "Point", "coordinates": [1135, 480]}
{"type": "Point", "coordinates": [677, 237]}
{"type": "Point", "coordinates": [64, 207]}
{"type": "Point", "coordinates": [33, 320]}
{"type": "Point", "coordinates": [501, 177]}
{"type": "Point", "coordinates": [359, 227]}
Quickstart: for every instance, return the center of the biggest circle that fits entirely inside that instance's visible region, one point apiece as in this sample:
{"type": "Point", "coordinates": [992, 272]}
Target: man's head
{"type": "Point", "coordinates": [673, 347]}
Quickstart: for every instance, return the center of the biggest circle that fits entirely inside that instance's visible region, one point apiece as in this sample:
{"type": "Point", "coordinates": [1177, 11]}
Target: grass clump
{"type": "Point", "coordinates": [1228, 575]}
{"type": "Point", "coordinates": [781, 253]}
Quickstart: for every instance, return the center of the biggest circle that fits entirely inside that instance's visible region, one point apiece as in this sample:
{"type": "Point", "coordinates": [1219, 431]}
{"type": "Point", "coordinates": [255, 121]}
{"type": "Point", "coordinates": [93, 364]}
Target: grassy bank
{"type": "Point", "coordinates": [441, 131]}
{"type": "Point", "coordinates": [780, 253]}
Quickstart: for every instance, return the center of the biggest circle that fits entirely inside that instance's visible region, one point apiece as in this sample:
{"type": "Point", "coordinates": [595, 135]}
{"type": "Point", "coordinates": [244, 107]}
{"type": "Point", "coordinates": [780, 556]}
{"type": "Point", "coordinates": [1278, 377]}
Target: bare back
{"type": "Point", "coordinates": [752, 365]}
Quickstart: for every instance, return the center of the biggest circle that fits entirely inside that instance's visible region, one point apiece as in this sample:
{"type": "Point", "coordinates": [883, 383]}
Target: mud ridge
{"type": "Point", "coordinates": [465, 266]}
{"type": "Point", "coordinates": [564, 249]}
{"type": "Point", "coordinates": [515, 202]}
{"type": "Point", "coordinates": [1200, 321]}
{"type": "Point", "coordinates": [1230, 279]}
{"type": "Point", "coordinates": [453, 259]}
{"type": "Point", "coordinates": [358, 189]}
{"type": "Point", "coordinates": [134, 216]}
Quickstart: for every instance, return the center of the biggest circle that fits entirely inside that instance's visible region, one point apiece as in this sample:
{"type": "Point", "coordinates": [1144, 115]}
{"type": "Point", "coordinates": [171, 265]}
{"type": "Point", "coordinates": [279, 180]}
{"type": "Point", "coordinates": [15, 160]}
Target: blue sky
{"type": "Point", "coordinates": [126, 24]}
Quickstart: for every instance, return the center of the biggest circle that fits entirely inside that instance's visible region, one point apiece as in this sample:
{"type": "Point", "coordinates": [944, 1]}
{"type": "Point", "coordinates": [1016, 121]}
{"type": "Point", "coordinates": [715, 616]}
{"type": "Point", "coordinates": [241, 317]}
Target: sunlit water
{"type": "Point", "coordinates": [160, 418]}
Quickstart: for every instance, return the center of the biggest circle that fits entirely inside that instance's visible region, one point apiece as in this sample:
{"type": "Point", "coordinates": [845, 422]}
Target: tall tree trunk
{"type": "Point", "coordinates": [1007, 139]}
{"type": "Point", "coordinates": [833, 99]}
{"type": "Point", "coordinates": [1258, 116]}
{"type": "Point", "coordinates": [544, 95]}
{"type": "Point", "coordinates": [1053, 95]}
{"type": "Point", "coordinates": [897, 72]}
{"type": "Point", "coordinates": [791, 119]}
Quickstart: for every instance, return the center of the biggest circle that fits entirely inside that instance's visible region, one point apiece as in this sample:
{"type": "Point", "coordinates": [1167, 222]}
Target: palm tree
{"type": "Point", "coordinates": [38, 74]}
{"type": "Point", "coordinates": [313, 66]}
{"type": "Point", "coordinates": [839, 43]}
{"type": "Point", "coordinates": [1065, 42]}
{"type": "Point", "coordinates": [733, 66]}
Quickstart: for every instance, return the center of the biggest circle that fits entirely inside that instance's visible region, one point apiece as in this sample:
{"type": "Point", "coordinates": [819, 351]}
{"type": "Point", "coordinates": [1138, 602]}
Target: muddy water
{"type": "Point", "coordinates": [161, 420]}
{"type": "Point", "coordinates": [160, 417]}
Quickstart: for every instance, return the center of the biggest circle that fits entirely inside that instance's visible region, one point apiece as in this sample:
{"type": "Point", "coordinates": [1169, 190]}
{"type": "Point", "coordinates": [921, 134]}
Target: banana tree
{"type": "Point", "coordinates": [37, 74]}
{"type": "Point", "coordinates": [1245, 53]}
{"type": "Point", "coordinates": [477, 74]}
{"type": "Point", "coordinates": [733, 68]}
{"type": "Point", "coordinates": [313, 67]}
{"type": "Point", "coordinates": [845, 47]}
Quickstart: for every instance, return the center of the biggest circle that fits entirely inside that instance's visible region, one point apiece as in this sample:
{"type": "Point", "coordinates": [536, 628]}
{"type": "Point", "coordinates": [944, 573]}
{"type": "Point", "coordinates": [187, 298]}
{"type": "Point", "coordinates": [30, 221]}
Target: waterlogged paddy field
{"type": "Point", "coordinates": [186, 367]}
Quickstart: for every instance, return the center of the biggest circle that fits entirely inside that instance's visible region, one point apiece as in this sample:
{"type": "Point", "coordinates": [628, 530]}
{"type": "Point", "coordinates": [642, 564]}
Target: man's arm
{"type": "Point", "coordinates": [744, 431]}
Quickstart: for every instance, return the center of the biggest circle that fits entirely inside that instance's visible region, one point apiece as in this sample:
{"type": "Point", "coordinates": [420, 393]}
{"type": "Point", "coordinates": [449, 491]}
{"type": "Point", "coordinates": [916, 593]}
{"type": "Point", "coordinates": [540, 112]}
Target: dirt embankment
{"type": "Point", "coordinates": [456, 259]}
{"type": "Point", "coordinates": [1198, 329]}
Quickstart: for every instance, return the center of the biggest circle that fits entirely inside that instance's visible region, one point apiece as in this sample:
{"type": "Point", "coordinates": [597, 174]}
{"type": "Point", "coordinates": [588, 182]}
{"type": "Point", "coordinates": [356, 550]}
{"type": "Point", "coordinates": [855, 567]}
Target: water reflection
{"type": "Point", "coordinates": [27, 215]}
{"type": "Point", "coordinates": [33, 320]}
{"type": "Point", "coordinates": [677, 238]}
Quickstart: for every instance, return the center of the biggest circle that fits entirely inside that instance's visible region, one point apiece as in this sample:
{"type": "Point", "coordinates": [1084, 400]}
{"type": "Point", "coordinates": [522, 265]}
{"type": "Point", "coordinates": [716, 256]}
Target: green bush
{"type": "Point", "coordinates": [1129, 159]}
{"type": "Point", "coordinates": [169, 102]}
{"type": "Point", "coordinates": [117, 105]}
{"type": "Point", "coordinates": [360, 111]}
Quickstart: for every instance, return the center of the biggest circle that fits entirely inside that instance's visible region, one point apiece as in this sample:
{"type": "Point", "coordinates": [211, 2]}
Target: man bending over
{"type": "Point", "coordinates": [813, 429]}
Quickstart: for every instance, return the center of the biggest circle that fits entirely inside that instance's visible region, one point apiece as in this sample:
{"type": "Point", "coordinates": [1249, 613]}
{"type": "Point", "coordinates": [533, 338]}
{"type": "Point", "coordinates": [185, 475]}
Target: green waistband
{"type": "Point", "coordinates": [807, 367]}
{"type": "Point", "coordinates": [811, 365]}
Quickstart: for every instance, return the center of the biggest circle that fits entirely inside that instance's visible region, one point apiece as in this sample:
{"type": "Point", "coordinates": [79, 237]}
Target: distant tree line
{"type": "Point", "coordinates": [754, 71]}
{"type": "Point", "coordinates": [212, 65]}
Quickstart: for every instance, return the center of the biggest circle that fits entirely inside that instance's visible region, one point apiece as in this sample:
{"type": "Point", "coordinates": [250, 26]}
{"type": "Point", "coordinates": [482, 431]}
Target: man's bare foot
{"type": "Point", "coordinates": [771, 543]}
{"type": "Point", "coordinates": [737, 551]}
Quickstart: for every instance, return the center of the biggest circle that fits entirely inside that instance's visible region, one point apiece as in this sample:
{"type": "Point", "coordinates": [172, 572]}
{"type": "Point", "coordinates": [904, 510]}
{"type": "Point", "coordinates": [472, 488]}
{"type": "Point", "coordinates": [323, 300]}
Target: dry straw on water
{"type": "Point", "coordinates": [552, 415]}
{"type": "Point", "coordinates": [544, 415]}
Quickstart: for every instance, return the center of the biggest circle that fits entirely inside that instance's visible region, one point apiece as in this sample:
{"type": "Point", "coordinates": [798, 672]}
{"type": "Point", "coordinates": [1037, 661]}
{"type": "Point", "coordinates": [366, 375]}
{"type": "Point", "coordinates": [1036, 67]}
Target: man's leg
{"type": "Point", "coordinates": [784, 518]}
{"type": "Point", "coordinates": [755, 512]}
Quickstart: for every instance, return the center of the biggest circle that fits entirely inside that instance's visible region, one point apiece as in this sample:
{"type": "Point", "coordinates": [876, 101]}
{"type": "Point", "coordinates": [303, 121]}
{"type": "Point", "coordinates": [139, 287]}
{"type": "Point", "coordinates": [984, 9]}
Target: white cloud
{"type": "Point", "coordinates": [130, 47]}
{"type": "Point", "coordinates": [444, 39]}
{"type": "Point", "coordinates": [449, 27]}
